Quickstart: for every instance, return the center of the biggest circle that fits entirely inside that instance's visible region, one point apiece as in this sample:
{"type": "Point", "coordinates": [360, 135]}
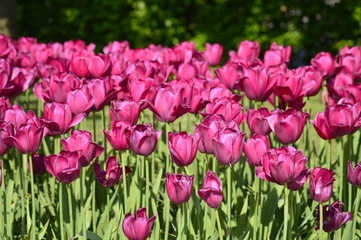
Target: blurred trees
{"type": "Point", "coordinates": [308, 26]}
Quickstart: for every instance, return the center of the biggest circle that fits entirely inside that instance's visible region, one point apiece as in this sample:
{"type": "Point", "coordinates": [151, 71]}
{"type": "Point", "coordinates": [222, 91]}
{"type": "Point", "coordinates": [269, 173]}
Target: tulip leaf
{"type": "Point", "coordinates": [158, 181]}
{"type": "Point", "coordinates": [43, 230]}
{"type": "Point", "coordinates": [90, 235]}
{"type": "Point", "coordinates": [269, 207]}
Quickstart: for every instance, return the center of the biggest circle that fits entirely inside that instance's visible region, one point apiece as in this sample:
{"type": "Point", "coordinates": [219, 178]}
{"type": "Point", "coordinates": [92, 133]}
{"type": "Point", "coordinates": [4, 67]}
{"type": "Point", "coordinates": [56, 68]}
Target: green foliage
{"type": "Point", "coordinates": [308, 26]}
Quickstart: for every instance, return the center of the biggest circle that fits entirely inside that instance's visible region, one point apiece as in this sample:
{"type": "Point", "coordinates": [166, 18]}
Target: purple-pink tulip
{"type": "Point", "coordinates": [183, 147]}
{"type": "Point", "coordinates": [354, 174]}
{"type": "Point", "coordinates": [138, 227]}
{"type": "Point", "coordinates": [112, 174]}
{"type": "Point", "coordinates": [125, 111]}
{"type": "Point", "coordinates": [6, 130]}
{"type": "Point", "coordinates": [228, 145]}
{"type": "Point", "coordinates": [82, 140]}
{"type": "Point", "coordinates": [142, 138]}
{"type": "Point", "coordinates": [211, 192]}
{"type": "Point", "coordinates": [179, 187]}
{"type": "Point", "coordinates": [213, 54]}
{"type": "Point", "coordinates": [255, 147]}
{"type": "Point", "coordinates": [321, 126]}
{"type": "Point", "coordinates": [321, 184]}
{"type": "Point", "coordinates": [257, 120]}
{"type": "Point", "coordinates": [333, 217]}
{"type": "Point", "coordinates": [116, 135]}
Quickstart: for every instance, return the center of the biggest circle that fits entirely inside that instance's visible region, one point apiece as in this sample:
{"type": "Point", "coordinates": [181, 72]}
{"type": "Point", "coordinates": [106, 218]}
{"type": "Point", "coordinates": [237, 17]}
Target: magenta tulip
{"type": "Point", "coordinates": [354, 174]}
{"type": "Point", "coordinates": [125, 111]}
{"type": "Point", "coordinates": [228, 145]}
{"type": "Point", "coordinates": [183, 147]}
{"type": "Point", "coordinates": [82, 140]}
{"type": "Point", "coordinates": [6, 130]}
{"type": "Point", "coordinates": [248, 51]}
{"type": "Point", "coordinates": [65, 166]}
{"type": "Point", "coordinates": [228, 75]}
{"type": "Point", "coordinates": [142, 138]}
{"type": "Point", "coordinates": [179, 187]}
{"type": "Point", "coordinates": [228, 108]}
{"type": "Point", "coordinates": [321, 184]}
{"type": "Point", "coordinates": [284, 165]}
{"type": "Point", "coordinates": [54, 89]}
{"type": "Point", "coordinates": [257, 120]}
{"type": "Point", "coordinates": [38, 164]}
{"type": "Point", "coordinates": [325, 63]}
{"type": "Point", "coordinates": [80, 100]}
{"type": "Point", "coordinates": [321, 126]}
{"type": "Point", "coordinates": [213, 54]}
{"type": "Point", "coordinates": [333, 217]}
{"type": "Point", "coordinates": [277, 55]}
{"type": "Point", "coordinates": [255, 147]}
{"type": "Point", "coordinates": [116, 135]}
{"type": "Point", "coordinates": [112, 174]}
{"type": "Point", "coordinates": [288, 125]}
{"type": "Point", "coordinates": [138, 227]}
{"type": "Point", "coordinates": [211, 192]}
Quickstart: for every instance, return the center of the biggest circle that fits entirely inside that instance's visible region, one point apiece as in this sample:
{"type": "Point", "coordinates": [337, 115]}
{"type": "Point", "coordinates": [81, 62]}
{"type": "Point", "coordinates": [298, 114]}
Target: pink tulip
{"type": "Point", "coordinates": [211, 192]}
{"type": "Point", "coordinates": [284, 165]}
{"type": "Point", "coordinates": [228, 145]}
{"type": "Point", "coordinates": [213, 54]}
{"type": "Point", "coordinates": [16, 115]}
{"type": "Point", "coordinates": [183, 147]}
{"type": "Point", "coordinates": [138, 227]}
{"type": "Point", "coordinates": [354, 174]}
{"type": "Point", "coordinates": [333, 217]}
{"type": "Point", "coordinates": [248, 51]}
{"type": "Point", "coordinates": [58, 118]}
{"type": "Point", "coordinates": [6, 130]}
{"type": "Point", "coordinates": [179, 187]}
{"type": "Point", "coordinates": [4, 105]}
{"type": "Point", "coordinates": [80, 100]}
{"type": "Point", "coordinates": [325, 63]}
{"type": "Point", "coordinates": [112, 174]}
{"type": "Point", "coordinates": [65, 166]}
{"type": "Point", "coordinates": [142, 138]}
{"type": "Point", "coordinates": [277, 55]}
{"type": "Point", "coordinates": [321, 184]}
{"type": "Point", "coordinates": [125, 111]}
{"type": "Point", "coordinates": [116, 135]}
{"type": "Point", "coordinates": [287, 125]}
{"type": "Point", "coordinates": [322, 128]}
{"type": "Point", "coordinates": [257, 120]}
{"type": "Point", "coordinates": [103, 92]}
{"type": "Point", "coordinates": [54, 89]}
{"type": "Point", "coordinates": [255, 147]}
{"type": "Point", "coordinates": [228, 108]}
{"type": "Point", "coordinates": [228, 75]}
{"type": "Point", "coordinates": [38, 164]}
{"type": "Point", "coordinates": [82, 140]}
{"type": "Point", "coordinates": [168, 105]}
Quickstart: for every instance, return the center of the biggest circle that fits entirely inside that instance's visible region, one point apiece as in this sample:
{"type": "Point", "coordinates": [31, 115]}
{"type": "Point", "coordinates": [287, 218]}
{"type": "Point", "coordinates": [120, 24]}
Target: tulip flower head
{"type": "Point", "coordinates": [179, 187]}
{"type": "Point", "coordinates": [321, 184]}
{"type": "Point", "coordinates": [142, 138]}
{"type": "Point", "coordinates": [183, 147]}
{"type": "Point", "coordinates": [354, 174]}
{"type": "Point", "coordinates": [333, 217]}
{"type": "Point", "coordinates": [138, 227]}
{"type": "Point", "coordinates": [112, 174]}
{"type": "Point", "coordinates": [211, 192]}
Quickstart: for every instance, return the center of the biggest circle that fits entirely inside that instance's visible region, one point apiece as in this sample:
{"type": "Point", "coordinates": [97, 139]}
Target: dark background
{"type": "Point", "coordinates": [309, 26]}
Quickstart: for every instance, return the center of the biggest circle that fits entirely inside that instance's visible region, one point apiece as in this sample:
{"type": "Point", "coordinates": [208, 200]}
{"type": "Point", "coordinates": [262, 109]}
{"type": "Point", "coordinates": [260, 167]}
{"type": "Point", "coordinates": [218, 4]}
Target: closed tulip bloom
{"type": "Point", "coordinates": [143, 138]}
{"type": "Point", "coordinates": [354, 174]}
{"type": "Point", "coordinates": [58, 118]}
{"type": "Point", "coordinates": [211, 192]}
{"type": "Point", "coordinates": [248, 51]}
{"type": "Point", "coordinates": [168, 104]}
{"type": "Point", "coordinates": [17, 116]}
{"type": "Point", "coordinates": [38, 164]}
{"type": "Point", "coordinates": [228, 145]}
{"type": "Point", "coordinates": [65, 166]}
{"type": "Point", "coordinates": [213, 54]}
{"type": "Point", "coordinates": [125, 111]}
{"type": "Point", "coordinates": [228, 75]}
{"type": "Point", "coordinates": [333, 217]}
{"type": "Point", "coordinates": [277, 55]}
{"type": "Point", "coordinates": [321, 126]}
{"type": "Point", "coordinates": [53, 89]}
{"type": "Point", "coordinates": [288, 125]}
{"type": "Point", "coordinates": [284, 165]}
{"type": "Point", "coordinates": [80, 100]}
{"type": "Point", "coordinates": [27, 139]}
{"type": "Point", "coordinates": [255, 147]}
{"type": "Point", "coordinates": [138, 227]}
{"type": "Point", "coordinates": [257, 120]}
{"type": "Point", "coordinates": [112, 174]}
{"type": "Point", "coordinates": [183, 147]}
{"type": "Point", "coordinates": [116, 135]}
{"type": "Point", "coordinates": [325, 63]}
{"type": "Point", "coordinates": [82, 140]}
{"type": "Point", "coordinates": [321, 184]}
{"type": "Point", "coordinates": [228, 108]}
{"type": "Point", "coordinates": [179, 187]}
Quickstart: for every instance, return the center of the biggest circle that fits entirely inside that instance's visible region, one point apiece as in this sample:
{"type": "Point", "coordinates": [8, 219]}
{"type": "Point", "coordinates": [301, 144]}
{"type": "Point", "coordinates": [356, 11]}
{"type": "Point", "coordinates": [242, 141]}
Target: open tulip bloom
{"type": "Point", "coordinates": [138, 227]}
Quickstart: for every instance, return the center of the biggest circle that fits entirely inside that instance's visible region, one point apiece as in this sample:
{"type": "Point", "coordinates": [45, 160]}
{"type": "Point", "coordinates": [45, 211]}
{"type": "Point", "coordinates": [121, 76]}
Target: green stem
{"type": "Point", "coordinates": [125, 187]}
{"type": "Point", "coordinates": [341, 169]}
{"type": "Point", "coordinates": [219, 225]}
{"type": "Point", "coordinates": [147, 192]}
{"type": "Point", "coordinates": [329, 159]}
{"type": "Point", "coordinates": [167, 200]}
{"type": "Point", "coordinates": [285, 212]}
{"type": "Point", "coordinates": [229, 201]}
{"type": "Point", "coordinates": [70, 202]}
{"type": "Point", "coordinates": [83, 212]}
{"type": "Point", "coordinates": [94, 127]}
{"type": "Point", "coordinates": [320, 233]}
{"type": "Point", "coordinates": [104, 137]}
{"type": "Point", "coordinates": [33, 198]}
{"type": "Point", "coordinates": [61, 212]}
{"type": "Point", "coordinates": [356, 211]}
{"type": "Point", "coordinates": [22, 180]}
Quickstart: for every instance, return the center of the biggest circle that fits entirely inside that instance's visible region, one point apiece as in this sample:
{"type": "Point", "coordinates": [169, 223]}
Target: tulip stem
{"type": "Point", "coordinates": [94, 127]}
{"type": "Point", "coordinates": [61, 212]}
{"type": "Point", "coordinates": [320, 233]}
{"type": "Point", "coordinates": [70, 202]}
{"type": "Point", "coordinates": [285, 212]}
{"type": "Point", "coordinates": [168, 169]}
{"type": "Point", "coordinates": [219, 225]}
{"type": "Point", "coordinates": [33, 199]}
{"type": "Point", "coordinates": [356, 210]}
{"type": "Point", "coordinates": [229, 201]}
{"type": "Point", "coordinates": [20, 164]}
{"type": "Point", "coordinates": [125, 190]}
{"type": "Point", "coordinates": [104, 137]}
{"type": "Point", "coordinates": [147, 194]}
{"type": "Point", "coordinates": [341, 169]}
{"type": "Point", "coordinates": [83, 213]}
{"type": "Point", "coordinates": [329, 153]}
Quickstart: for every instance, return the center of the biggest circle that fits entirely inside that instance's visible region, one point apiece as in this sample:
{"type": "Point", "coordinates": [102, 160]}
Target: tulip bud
{"type": "Point", "coordinates": [138, 227]}
{"type": "Point", "coordinates": [257, 120]}
{"type": "Point", "coordinates": [211, 192]}
{"type": "Point", "coordinates": [183, 147]}
{"type": "Point", "coordinates": [354, 175]}
{"type": "Point", "coordinates": [325, 63]}
{"type": "Point", "coordinates": [142, 138]}
{"type": "Point", "coordinates": [213, 54]}
{"type": "Point", "coordinates": [333, 217]}
{"type": "Point", "coordinates": [321, 184]}
{"type": "Point", "coordinates": [255, 147]}
{"type": "Point", "coordinates": [116, 135]}
{"type": "Point", "coordinates": [38, 164]}
{"type": "Point", "coordinates": [179, 187]}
